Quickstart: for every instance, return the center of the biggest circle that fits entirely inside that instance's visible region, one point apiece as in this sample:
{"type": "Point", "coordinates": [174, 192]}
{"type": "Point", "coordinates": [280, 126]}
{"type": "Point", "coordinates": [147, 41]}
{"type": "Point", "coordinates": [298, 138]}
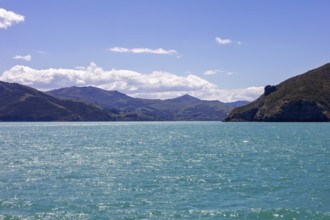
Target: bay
{"type": "Point", "coordinates": [164, 170]}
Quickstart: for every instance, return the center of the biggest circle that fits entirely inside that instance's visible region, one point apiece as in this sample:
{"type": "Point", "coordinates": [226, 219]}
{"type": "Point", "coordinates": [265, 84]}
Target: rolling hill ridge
{"type": "Point", "coordinates": [22, 103]}
{"type": "Point", "coordinates": [181, 108]}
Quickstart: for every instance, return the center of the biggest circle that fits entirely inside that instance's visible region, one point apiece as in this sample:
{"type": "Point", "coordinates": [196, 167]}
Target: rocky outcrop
{"type": "Point", "coordinates": [302, 98]}
{"type": "Point", "coordinates": [269, 89]}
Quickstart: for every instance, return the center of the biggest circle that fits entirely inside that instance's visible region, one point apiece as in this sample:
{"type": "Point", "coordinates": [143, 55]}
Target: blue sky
{"type": "Point", "coordinates": [212, 49]}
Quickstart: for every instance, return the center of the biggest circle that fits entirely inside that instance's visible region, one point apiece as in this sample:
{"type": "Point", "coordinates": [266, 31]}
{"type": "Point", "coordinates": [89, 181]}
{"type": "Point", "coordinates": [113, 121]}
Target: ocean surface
{"type": "Point", "coordinates": [165, 170]}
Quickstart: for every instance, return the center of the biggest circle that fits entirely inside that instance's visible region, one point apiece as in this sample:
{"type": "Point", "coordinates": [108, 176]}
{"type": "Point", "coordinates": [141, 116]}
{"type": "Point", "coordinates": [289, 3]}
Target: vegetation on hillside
{"type": "Point", "coordinates": [304, 97]}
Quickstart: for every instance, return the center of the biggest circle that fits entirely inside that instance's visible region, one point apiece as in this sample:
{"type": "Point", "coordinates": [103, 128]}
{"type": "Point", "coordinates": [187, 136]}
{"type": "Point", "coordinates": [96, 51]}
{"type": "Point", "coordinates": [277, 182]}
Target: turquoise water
{"type": "Point", "coordinates": [165, 170]}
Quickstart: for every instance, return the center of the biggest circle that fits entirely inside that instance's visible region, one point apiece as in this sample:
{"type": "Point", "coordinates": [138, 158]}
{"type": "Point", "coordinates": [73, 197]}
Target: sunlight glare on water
{"type": "Point", "coordinates": [165, 170]}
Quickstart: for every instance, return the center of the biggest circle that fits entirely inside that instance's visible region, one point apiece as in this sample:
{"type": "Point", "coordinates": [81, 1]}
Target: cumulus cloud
{"type": "Point", "coordinates": [158, 84]}
{"type": "Point", "coordinates": [216, 71]}
{"type": "Point", "coordinates": [80, 67]}
{"type": "Point", "coordinates": [159, 51]}
{"type": "Point", "coordinates": [224, 95]}
{"type": "Point", "coordinates": [230, 95]}
{"type": "Point", "coordinates": [222, 41]}
{"type": "Point", "coordinates": [26, 58]}
{"type": "Point", "coordinates": [212, 72]}
{"type": "Point", "coordinates": [9, 18]}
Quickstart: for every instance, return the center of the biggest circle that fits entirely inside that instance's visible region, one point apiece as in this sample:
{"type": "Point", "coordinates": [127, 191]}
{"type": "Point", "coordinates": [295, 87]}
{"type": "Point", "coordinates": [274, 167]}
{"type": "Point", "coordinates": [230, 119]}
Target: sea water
{"type": "Point", "coordinates": [165, 170]}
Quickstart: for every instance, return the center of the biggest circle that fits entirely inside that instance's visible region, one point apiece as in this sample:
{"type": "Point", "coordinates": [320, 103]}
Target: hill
{"type": "Point", "coordinates": [128, 108]}
{"type": "Point", "coordinates": [305, 97]}
{"type": "Point", "coordinates": [22, 103]}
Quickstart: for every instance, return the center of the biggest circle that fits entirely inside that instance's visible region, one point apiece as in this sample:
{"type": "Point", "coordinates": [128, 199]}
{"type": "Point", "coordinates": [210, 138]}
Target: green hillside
{"type": "Point", "coordinates": [22, 103]}
{"type": "Point", "coordinates": [304, 97]}
{"type": "Point", "coordinates": [182, 108]}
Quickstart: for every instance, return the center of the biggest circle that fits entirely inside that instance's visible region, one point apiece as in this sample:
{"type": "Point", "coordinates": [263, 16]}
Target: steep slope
{"type": "Point", "coordinates": [305, 97]}
{"type": "Point", "coordinates": [181, 108]}
{"type": "Point", "coordinates": [22, 103]}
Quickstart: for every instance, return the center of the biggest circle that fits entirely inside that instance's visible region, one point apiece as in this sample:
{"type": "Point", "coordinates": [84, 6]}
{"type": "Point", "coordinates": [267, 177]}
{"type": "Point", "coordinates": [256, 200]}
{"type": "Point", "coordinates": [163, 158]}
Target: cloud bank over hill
{"type": "Point", "coordinates": [156, 85]}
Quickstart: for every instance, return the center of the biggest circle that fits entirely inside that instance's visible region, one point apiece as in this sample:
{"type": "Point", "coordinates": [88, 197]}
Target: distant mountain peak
{"type": "Point", "coordinates": [184, 98]}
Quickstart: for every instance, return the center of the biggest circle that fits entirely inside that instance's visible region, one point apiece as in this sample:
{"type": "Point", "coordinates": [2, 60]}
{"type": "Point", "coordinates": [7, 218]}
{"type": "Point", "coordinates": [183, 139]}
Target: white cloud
{"type": "Point", "coordinates": [159, 51]}
{"type": "Point", "coordinates": [212, 72]}
{"type": "Point", "coordinates": [216, 71]}
{"type": "Point", "coordinates": [26, 58]}
{"type": "Point", "coordinates": [157, 84]}
{"type": "Point", "coordinates": [223, 41]}
{"type": "Point", "coordinates": [9, 18]}
{"type": "Point", "coordinates": [224, 95]}
{"type": "Point", "coordinates": [230, 95]}
{"type": "Point", "coordinates": [80, 68]}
